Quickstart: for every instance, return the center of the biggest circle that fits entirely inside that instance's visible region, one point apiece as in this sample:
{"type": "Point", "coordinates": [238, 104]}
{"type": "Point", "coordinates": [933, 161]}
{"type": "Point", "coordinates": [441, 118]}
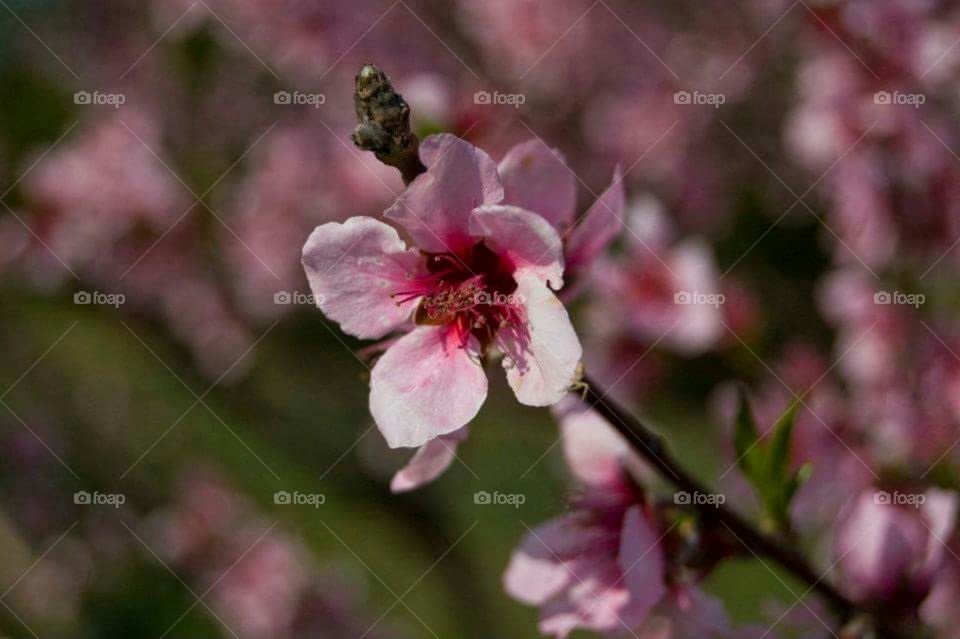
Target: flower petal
{"type": "Point", "coordinates": [353, 268]}
{"type": "Point", "coordinates": [596, 600]}
{"type": "Point", "coordinates": [939, 510]}
{"type": "Point", "coordinates": [698, 325]}
{"type": "Point", "coordinates": [540, 358]}
{"type": "Point", "coordinates": [538, 568]}
{"type": "Point", "coordinates": [641, 560]}
{"type": "Point", "coordinates": [599, 226]}
{"type": "Point", "coordinates": [429, 462]}
{"type": "Point", "coordinates": [536, 178]}
{"type": "Point", "coordinates": [426, 385]}
{"type": "Point", "coordinates": [689, 612]}
{"type": "Point", "coordinates": [435, 208]}
{"type": "Point", "coordinates": [878, 545]}
{"type": "Point", "coordinates": [524, 239]}
{"type": "Point", "coordinates": [595, 452]}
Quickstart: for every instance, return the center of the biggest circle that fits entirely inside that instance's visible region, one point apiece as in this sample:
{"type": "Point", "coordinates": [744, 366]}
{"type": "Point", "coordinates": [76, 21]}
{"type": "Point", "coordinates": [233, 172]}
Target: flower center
{"type": "Point", "coordinates": [452, 298]}
{"type": "Point", "coordinates": [472, 293]}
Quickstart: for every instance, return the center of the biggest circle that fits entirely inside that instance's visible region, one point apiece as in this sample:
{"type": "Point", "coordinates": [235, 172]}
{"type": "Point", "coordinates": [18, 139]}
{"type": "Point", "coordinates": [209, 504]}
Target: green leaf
{"type": "Point", "coordinates": [746, 439]}
{"type": "Point", "coordinates": [766, 462]}
{"type": "Point", "coordinates": [778, 459]}
{"type": "Point", "coordinates": [799, 479]}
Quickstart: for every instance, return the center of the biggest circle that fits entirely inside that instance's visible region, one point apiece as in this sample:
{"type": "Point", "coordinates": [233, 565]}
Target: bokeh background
{"type": "Point", "coordinates": [163, 161]}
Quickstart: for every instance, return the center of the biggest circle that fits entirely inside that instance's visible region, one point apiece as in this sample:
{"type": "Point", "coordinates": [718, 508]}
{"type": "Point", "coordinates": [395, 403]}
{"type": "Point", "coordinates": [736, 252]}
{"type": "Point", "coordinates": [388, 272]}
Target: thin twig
{"type": "Point", "coordinates": [652, 448]}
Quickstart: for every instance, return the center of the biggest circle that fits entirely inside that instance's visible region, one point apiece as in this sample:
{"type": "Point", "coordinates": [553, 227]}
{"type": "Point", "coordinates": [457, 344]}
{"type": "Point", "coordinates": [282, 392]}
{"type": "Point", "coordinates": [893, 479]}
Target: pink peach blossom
{"type": "Point", "coordinates": [600, 567]}
{"type": "Point", "coordinates": [689, 613]}
{"type": "Point", "coordinates": [483, 278]}
{"type": "Point", "coordinates": [87, 195]}
{"type": "Point", "coordinates": [536, 178]}
{"type": "Point", "coordinates": [888, 548]}
{"type": "Point", "coordinates": [939, 609]}
{"type": "Point", "coordinates": [603, 566]}
{"type": "Point", "coordinates": [670, 292]}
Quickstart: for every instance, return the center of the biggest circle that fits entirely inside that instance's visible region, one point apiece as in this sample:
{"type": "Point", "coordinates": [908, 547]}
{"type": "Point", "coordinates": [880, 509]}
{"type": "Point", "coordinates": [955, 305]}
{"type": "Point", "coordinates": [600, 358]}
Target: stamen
{"type": "Point", "coordinates": [451, 294]}
{"type": "Point", "coordinates": [408, 295]}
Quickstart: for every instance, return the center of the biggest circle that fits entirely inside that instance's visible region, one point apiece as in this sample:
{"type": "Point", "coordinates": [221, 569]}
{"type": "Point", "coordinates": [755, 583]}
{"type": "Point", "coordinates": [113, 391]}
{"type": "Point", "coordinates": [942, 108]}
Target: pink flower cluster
{"type": "Point", "coordinates": [262, 582]}
{"type": "Point", "coordinates": [478, 261]}
{"type": "Point", "coordinates": [605, 565]}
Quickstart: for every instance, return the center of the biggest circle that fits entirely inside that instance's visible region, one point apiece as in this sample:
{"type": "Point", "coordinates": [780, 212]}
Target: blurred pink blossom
{"type": "Point", "coordinates": [887, 549]}
{"type": "Point", "coordinates": [602, 566]}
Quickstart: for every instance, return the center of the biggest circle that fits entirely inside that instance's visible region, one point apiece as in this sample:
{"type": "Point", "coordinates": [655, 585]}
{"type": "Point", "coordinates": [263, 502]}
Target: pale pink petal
{"type": "Point", "coordinates": [353, 267]}
{"type": "Point", "coordinates": [533, 578]}
{"type": "Point", "coordinates": [429, 462]}
{"type": "Point", "coordinates": [699, 325]}
{"type": "Point", "coordinates": [595, 453]}
{"type": "Point", "coordinates": [523, 239]}
{"type": "Point", "coordinates": [541, 358]}
{"type": "Point", "coordinates": [425, 386]}
{"type": "Point", "coordinates": [538, 568]}
{"type": "Point", "coordinates": [595, 600]}
{"type": "Point", "coordinates": [641, 560]}
{"type": "Point", "coordinates": [939, 509]}
{"type": "Point", "coordinates": [435, 208]}
{"type": "Point", "coordinates": [649, 226]}
{"type": "Point", "coordinates": [940, 608]}
{"type": "Point", "coordinates": [599, 226]}
{"type": "Point", "coordinates": [690, 612]}
{"type": "Point", "coordinates": [536, 178]}
{"type": "Point", "coordinates": [877, 545]}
